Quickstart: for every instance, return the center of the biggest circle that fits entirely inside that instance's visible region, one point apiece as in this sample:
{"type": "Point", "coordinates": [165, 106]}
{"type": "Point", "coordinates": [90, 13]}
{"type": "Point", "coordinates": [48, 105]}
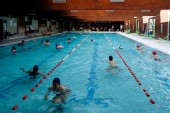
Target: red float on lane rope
{"type": "Point", "coordinates": [32, 89]}
{"type": "Point", "coordinates": [147, 94]}
{"type": "Point", "coordinates": [24, 97]}
{"type": "Point", "coordinates": [36, 85]}
{"type": "Point", "coordinates": [152, 101]}
{"type": "Point", "coordinates": [40, 81]}
{"type": "Point", "coordinates": [15, 107]}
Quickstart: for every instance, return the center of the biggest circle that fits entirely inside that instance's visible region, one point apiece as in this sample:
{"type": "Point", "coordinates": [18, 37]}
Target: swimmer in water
{"type": "Point", "coordinates": [92, 40]}
{"type": "Point", "coordinates": [112, 64]}
{"type": "Point", "coordinates": [155, 56]}
{"type": "Point", "coordinates": [58, 46]}
{"type": "Point", "coordinates": [47, 43]}
{"type": "Point", "coordinates": [60, 91]}
{"type": "Point", "coordinates": [34, 72]}
{"type": "Point", "coordinates": [13, 49]}
{"type": "Point", "coordinates": [138, 47]}
{"type": "Point", "coordinates": [22, 42]}
{"type": "Point", "coordinates": [68, 40]}
{"type": "Point", "coordinates": [120, 47]}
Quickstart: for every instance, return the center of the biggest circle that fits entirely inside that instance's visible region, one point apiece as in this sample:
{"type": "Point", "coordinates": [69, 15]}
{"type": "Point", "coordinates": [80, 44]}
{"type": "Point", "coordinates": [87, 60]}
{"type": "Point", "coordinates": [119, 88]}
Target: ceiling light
{"type": "Point", "coordinates": [59, 1]}
{"type": "Point", "coordinates": [117, 0]}
{"type": "Point", "coordinates": [144, 11]}
{"type": "Point", "coordinates": [74, 11]}
{"type": "Point", "coordinates": [109, 11]}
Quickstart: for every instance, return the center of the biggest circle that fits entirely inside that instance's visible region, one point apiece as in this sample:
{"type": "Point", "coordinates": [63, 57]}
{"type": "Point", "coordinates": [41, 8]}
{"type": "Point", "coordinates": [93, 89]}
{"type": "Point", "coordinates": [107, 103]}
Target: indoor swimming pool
{"type": "Point", "coordinates": [142, 85]}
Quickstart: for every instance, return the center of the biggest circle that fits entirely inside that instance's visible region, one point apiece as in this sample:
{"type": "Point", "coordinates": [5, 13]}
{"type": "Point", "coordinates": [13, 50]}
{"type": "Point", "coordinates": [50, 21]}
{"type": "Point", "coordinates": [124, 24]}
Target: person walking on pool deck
{"type": "Point", "coordinates": [60, 91]}
{"type": "Point", "coordinates": [34, 72]}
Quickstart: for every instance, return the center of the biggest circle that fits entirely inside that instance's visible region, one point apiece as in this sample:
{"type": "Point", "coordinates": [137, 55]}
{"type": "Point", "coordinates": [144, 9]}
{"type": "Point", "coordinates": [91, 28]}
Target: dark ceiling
{"type": "Point", "coordinates": [88, 10]}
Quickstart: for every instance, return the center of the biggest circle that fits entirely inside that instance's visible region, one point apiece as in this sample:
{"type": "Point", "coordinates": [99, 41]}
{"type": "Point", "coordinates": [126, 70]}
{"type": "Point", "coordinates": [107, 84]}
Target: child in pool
{"type": "Point", "coordinates": [60, 91]}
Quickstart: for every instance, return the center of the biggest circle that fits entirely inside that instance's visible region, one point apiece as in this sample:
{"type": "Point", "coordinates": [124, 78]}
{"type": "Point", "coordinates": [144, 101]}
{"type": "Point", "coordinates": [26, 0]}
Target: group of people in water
{"type": "Point", "coordinates": [154, 53]}
{"type": "Point", "coordinates": [46, 43]}
{"type": "Point", "coordinates": [62, 92]}
{"type": "Point", "coordinates": [138, 47]}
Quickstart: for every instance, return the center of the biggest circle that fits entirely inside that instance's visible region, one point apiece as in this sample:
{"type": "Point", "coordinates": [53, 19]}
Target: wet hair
{"type": "Point", "coordinates": [22, 41]}
{"type": "Point", "coordinates": [35, 68]}
{"type": "Point", "coordinates": [13, 48]}
{"type": "Point", "coordinates": [47, 40]}
{"type": "Point", "coordinates": [110, 58]}
{"type": "Point", "coordinates": [91, 40]}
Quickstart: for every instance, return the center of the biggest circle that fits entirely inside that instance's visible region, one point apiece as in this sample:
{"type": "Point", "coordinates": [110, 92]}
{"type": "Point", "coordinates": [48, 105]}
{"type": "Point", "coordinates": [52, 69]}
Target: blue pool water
{"type": "Point", "coordinates": [94, 90]}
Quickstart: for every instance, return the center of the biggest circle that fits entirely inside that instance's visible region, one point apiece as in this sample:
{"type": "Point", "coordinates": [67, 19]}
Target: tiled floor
{"type": "Point", "coordinates": [163, 46]}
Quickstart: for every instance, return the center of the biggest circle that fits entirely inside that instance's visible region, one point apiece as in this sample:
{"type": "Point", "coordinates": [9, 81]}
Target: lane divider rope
{"type": "Point", "coordinates": [48, 74]}
{"type": "Point", "coordinates": [132, 73]}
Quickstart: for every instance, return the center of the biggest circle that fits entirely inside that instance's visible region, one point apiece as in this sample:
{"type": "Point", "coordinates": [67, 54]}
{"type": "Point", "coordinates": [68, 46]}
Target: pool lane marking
{"type": "Point", "coordinates": [48, 74]}
{"type": "Point", "coordinates": [130, 70]}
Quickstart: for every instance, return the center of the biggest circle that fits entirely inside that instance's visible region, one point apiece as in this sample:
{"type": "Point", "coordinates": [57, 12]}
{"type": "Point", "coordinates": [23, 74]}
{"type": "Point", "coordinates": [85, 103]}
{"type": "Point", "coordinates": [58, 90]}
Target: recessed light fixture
{"type": "Point", "coordinates": [144, 11]}
{"type": "Point", "coordinates": [59, 1]}
{"type": "Point", "coordinates": [109, 11]}
{"type": "Point", "coordinates": [117, 0]}
{"type": "Point", "coordinates": [74, 11]}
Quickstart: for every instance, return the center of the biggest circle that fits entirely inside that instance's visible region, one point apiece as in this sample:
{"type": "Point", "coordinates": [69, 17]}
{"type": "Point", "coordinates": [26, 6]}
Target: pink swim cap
{"type": "Point", "coordinates": [154, 52]}
{"type": "Point", "coordinates": [138, 46]}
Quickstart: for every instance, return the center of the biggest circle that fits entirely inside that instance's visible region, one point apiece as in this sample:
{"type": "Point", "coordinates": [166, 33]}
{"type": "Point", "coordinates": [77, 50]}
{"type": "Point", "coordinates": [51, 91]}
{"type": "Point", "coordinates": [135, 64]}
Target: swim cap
{"type": "Point", "coordinates": [56, 80]}
{"type": "Point", "coordinates": [154, 52]}
{"type": "Point", "coordinates": [35, 68]}
{"type": "Point", "coordinates": [14, 48]}
{"type": "Point", "coordinates": [138, 46]}
{"type": "Point", "coordinates": [110, 58]}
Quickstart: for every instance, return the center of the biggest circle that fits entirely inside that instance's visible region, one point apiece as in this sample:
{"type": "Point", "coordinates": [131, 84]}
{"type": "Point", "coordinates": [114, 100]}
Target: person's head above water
{"type": "Point", "coordinates": [110, 58]}
{"type": "Point", "coordinates": [138, 46]}
{"type": "Point", "coordinates": [47, 41]}
{"type": "Point", "coordinates": [56, 83]}
{"type": "Point", "coordinates": [56, 80]}
{"type": "Point", "coordinates": [35, 68]}
{"type": "Point", "coordinates": [13, 48]}
{"type": "Point", "coordinates": [154, 52]}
